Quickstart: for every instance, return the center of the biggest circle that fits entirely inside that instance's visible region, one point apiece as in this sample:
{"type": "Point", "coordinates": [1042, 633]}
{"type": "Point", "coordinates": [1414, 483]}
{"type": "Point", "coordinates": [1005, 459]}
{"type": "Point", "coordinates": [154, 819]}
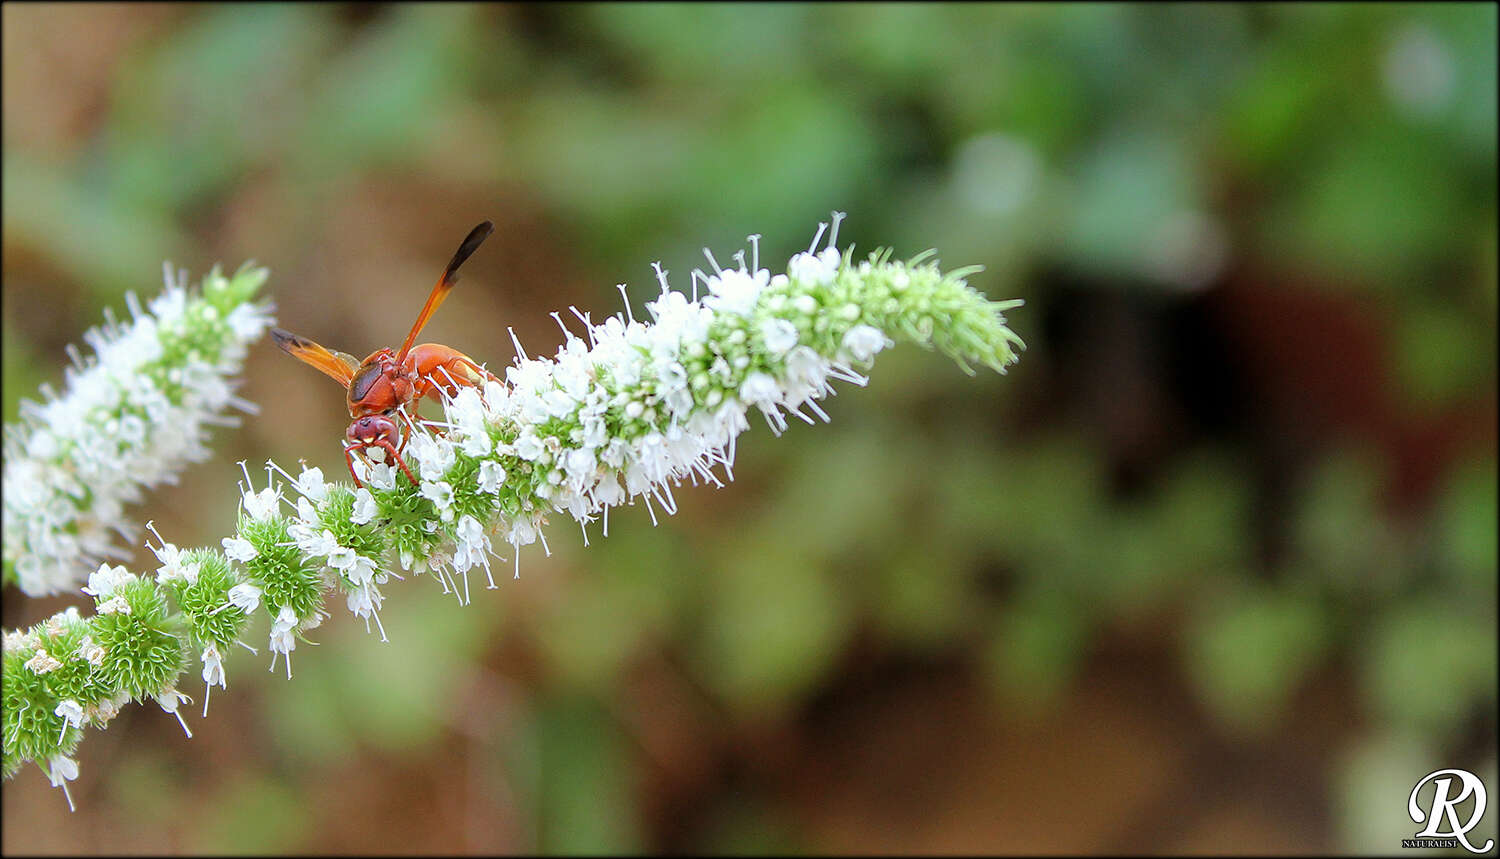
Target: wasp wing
{"type": "Point", "coordinates": [445, 283]}
{"type": "Point", "coordinates": [339, 366]}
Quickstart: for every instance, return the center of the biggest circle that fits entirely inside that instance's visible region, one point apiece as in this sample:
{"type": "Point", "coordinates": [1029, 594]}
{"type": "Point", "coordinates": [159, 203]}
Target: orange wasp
{"type": "Point", "coordinates": [386, 381]}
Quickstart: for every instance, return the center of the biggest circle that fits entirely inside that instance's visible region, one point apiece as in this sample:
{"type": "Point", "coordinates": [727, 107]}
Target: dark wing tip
{"type": "Point", "coordinates": [470, 244]}
{"type": "Point", "coordinates": [286, 339]}
{"type": "Point", "coordinates": [480, 232]}
{"type": "Point", "coordinates": [294, 344]}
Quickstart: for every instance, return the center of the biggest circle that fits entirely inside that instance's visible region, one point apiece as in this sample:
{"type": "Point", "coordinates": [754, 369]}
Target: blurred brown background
{"type": "Point", "coordinates": [1212, 570]}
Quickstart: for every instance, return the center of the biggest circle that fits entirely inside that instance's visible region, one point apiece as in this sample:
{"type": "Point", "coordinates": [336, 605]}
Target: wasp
{"type": "Point", "coordinates": [387, 381]}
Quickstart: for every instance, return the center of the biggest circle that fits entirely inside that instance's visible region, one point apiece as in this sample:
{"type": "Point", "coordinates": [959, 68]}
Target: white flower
{"type": "Point", "coordinates": [263, 504]}
{"type": "Point", "coordinates": [213, 667]}
{"type": "Point", "coordinates": [356, 567]}
{"type": "Point", "coordinates": [381, 475]}
{"type": "Point", "coordinates": [239, 549]}
{"type": "Point", "coordinates": [361, 569]}
{"type": "Point", "coordinates": [522, 533]}
{"type": "Point", "coordinates": [441, 496]}
{"type": "Point", "coordinates": [20, 639]}
{"type": "Point", "coordinates": [91, 652]}
{"type": "Point", "coordinates": [42, 662]}
{"type": "Point", "coordinates": [632, 411]}
{"type": "Point", "coordinates": [339, 557]}
{"type": "Point", "coordinates": [779, 336]}
{"type": "Point", "coordinates": [72, 713]}
{"type": "Point", "coordinates": [318, 543]}
{"type": "Point", "coordinates": [213, 674]}
{"type": "Point", "coordinates": [16, 639]}
{"type": "Point", "coordinates": [466, 410]}
{"type": "Point", "coordinates": [579, 464]}
{"type": "Point", "coordinates": [359, 466]}
{"type": "Point", "coordinates": [491, 475]}
{"type": "Point", "coordinates": [109, 708]}
{"type": "Point", "coordinates": [529, 447]}
{"type": "Point", "coordinates": [805, 368]}
{"type": "Point", "coordinates": [559, 403]}
{"type": "Point", "coordinates": [103, 581]}
{"type": "Point", "coordinates": [475, 442]}
{"type": "Point", "coordinates": [364, 601]}
{"type": "Point", "coordinates": [115, 431]}
{"type": "Point", "coordinates": [282, 641]}
{"type": "Point", "coordinates": [473, 546]}
{"type": "Point", "coordinates": [247, 323]}
{"type": "Point", "coordinates": [864, 341]}
{"type": "Point", "coordinates": [433, 456]}
{"type": "Point", "coordinates": [818, 270]}
{"type": "Point", "coordinates": [56, 624]}
{"type": "Point", "coordinates": [311, 484]}
{"type": "Point", "coordinates": [760, 389]}
{"type": "Point", "coordinates": [245, 597]}
{"type": "Point", "coordinates": [307, 513]}
{"type": "Point", "coordinates": [364, 506]}
{"type": "Point", "coordinates": [168, 699]}
{"type": "Point", "coordinates": [173, 566]}
{"type": "Point", "coordinates": [62, 769]}
{"type": "Point", "coordinates": [735, 291]}
{"type": "Point", "coordinates": [114, 605]}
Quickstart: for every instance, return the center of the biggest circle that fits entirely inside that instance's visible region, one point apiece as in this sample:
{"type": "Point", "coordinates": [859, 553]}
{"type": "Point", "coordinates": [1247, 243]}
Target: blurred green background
{"type": "Point", "coordinates": [1212, 570]}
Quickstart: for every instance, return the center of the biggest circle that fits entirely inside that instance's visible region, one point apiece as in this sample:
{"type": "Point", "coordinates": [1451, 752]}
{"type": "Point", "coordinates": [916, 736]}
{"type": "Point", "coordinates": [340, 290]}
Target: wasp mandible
{"type": "Point", "coordinates": [386, 381]}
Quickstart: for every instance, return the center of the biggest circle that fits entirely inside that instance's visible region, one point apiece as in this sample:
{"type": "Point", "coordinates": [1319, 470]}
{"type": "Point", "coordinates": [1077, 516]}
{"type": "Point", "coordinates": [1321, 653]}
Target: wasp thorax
{"type": "Point", "coordinates": [363, 381]}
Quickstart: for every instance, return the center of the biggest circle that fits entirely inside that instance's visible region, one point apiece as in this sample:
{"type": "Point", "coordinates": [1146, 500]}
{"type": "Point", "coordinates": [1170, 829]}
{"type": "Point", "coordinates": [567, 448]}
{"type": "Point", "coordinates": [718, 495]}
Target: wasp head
{"type": "Point", "coordinates": [373, 429]}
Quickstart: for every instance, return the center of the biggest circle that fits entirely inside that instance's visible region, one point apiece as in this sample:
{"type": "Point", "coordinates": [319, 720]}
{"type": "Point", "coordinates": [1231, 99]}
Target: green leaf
{"type": "Point", "coordinates": [1465, 532]}
{"type": "Point", "coordinates": [774, 625]}
{"type": "Point", "coordinates": [1034, 651]}
{"type": "Point", "coordinates": [1249, 653]}
{"type": "Point", "coordinates": [1429, 664]}
{"type": "Point", "coordinates": [584, 784]}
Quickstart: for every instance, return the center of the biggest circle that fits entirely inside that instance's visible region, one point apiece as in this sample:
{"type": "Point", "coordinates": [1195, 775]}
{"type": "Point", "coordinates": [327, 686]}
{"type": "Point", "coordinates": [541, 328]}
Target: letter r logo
{"type": "Point", "coordinates": [1445, 807]}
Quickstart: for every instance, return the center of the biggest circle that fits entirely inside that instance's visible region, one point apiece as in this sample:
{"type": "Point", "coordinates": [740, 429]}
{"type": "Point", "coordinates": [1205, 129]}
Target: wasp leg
{"type": "Point", "coordinates": [382, 443]}
{"type": "Point", "coordinates": [385, 445]}
{"type": "Point", "coordinates": [349, 460]}
{"type": "Point", "coordinates": [411, 427]}
{"type": "Point", "coordinates": [443, 368]}
{"type": "Point", "coordinates": [401, 462]}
